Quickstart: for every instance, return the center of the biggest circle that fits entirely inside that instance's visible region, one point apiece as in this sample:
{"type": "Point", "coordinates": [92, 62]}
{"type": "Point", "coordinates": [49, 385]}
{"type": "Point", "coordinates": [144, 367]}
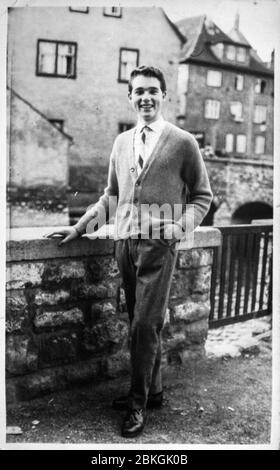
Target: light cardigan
{"type": "Point", "coordinates": [175, 174]}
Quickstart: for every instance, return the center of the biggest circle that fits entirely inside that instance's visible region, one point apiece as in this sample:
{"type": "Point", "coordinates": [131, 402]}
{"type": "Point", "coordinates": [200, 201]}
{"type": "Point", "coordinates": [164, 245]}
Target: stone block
{"type": "Point", "coordinates": [51, 298]}
{"type": "Point", "coordinates": [192, 354]}
{"type": "Point", "coordinates": [52, 319]}
{"type": "Point", "coordinates": [196, 332]}
{"type": "Point", "coordinates": [49, 380]}
{"type": "Point", "coordinates": [116, 364]}
{"type": "Point", "coordinates": [180, 286]}
{"type": "Point", "coordinates": [20, 275]}
{"type": "Point", "coordinates": [199, 297]}
{"type": "Point", "coordinates": [194, 258]}
{"type": "Point", "coordinates": [57, 271]}
{"type": "Point", "coordinates": [17, 318]}
{"type": "Point", "coordinates": [82, 371]}
{"type": "Point", "coordinates": [11, 391]}
{"type": "Point", "coordinates": [105, 334]}
{"type": "Point", "coordinates": [191, 311]}
{"type": "Point", "coordinates": [101, 290]}
{"type": "Point", "coordinates": [200, 280]}
{"type": "Point", "coordinates": [176, 341]}
{"type": "Point", "coordinates": [101, 310]}
{"type": "Point", "coordinates": [54, 349]}
{"type": "Point", "coordinates": [102, 268]}
{"type": "Point", "coordinates": [21, 354]}
{"type": "Point", "coordinates": [39, 383]}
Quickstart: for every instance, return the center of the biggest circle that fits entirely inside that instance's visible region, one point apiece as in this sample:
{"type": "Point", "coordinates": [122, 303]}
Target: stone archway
{"type": "Point", "coordinates": [252, 211]}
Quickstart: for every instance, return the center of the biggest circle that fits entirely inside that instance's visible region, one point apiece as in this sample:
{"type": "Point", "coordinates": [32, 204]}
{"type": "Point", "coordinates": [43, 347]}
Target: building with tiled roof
{"type": "Point", "coordinates": [225, 90]}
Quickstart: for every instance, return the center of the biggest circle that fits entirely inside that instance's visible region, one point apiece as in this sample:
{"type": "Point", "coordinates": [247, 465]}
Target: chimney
{"type": "Point", "coordinates": [272, 60]}
{"type": "Point", "coordinates": [236, 21]}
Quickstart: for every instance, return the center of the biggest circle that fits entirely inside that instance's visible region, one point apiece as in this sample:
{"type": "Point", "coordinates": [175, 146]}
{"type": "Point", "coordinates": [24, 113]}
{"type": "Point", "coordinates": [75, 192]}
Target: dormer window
{"type": "Point", "coordinates": [241, 54]}
{"type": "Point", "coordinates": [230, 52]}
{"type": "Point", "coordinates": [218, 50]}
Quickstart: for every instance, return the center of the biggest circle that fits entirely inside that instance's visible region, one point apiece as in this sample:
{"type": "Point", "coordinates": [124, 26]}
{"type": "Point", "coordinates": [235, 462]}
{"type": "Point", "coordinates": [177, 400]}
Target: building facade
{"type": "Point", "coordinates": [225, 91]}
{"type": "Point", "coordinates": [73, 64]}
{"type": "Point", "coordinates": [225, 99]}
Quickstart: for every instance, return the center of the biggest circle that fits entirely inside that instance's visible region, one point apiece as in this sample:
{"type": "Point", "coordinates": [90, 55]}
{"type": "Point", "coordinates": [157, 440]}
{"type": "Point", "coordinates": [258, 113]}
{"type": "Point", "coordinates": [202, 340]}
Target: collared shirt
{"type": "Point", "coordinates": [152, 137]}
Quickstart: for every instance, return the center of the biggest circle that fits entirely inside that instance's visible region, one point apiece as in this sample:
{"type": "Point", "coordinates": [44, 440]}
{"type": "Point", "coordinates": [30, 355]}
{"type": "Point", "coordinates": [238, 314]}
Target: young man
{"type": "Point", "coordinates": [154, 165]}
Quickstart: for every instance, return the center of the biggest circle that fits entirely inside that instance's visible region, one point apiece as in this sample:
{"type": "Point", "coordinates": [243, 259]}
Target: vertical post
{"type": "Point", "coordinates": [223, 275]}
{"type": "Point", "coordinates": [241, 245]}
{"type": "Point", "coordinates": [214, 283]}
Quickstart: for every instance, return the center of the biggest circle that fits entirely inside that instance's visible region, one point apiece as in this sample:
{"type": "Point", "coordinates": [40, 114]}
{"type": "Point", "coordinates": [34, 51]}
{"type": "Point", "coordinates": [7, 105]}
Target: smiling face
{"type": "Point", "coordinates": [146, 98]}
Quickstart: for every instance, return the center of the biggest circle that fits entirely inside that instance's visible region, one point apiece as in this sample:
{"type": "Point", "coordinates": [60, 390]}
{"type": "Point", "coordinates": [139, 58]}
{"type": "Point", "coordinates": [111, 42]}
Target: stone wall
{"type": "Point", "coordinates": [236, 182]}
{"type": "Point", "coordinates": [66, 319]}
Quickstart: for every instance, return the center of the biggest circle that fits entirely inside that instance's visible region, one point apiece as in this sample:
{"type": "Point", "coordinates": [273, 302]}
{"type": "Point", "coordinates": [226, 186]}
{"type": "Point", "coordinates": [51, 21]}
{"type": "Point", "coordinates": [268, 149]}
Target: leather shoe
{"type": "Point", "coordinates": [134, 423]}
{"type": "Point", "coordinates": [154, 401]}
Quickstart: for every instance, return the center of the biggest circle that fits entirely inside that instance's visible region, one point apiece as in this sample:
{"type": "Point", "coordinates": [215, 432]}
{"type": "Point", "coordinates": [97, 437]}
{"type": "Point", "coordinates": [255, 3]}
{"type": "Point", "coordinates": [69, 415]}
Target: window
{"type": "Point", "coordinates": [218, 49]}
{"type": "Point", "coordinates": [183, 78]}
{"type": "Point", "coordinates": [240, 54]}
{"type": "Point", "coordinates": [212, 109]}
{"type": "Point", "coordinates": [125, 126]}
{"type": "Point", "coordinates": [236, 110]}
{"type": "Point", "coordinates": [260, 114]}
{"type": "Point", "coordinates": [112, 11]}
{"type": "Point", "coordinates": [56, 59]}
{"type": "Point", "coordinates": [229, 142]}
{"type": "Point", "coordinates": [79, 9]}
{"type": "Point", "coordinates": [241, 143]}
{"type": "Point", "coordinates": [259, 144]}
{"type": "Point", "coordinates": [260, 85]}
{"type": "Point", "coordinates": [230, 52]}
{"type": "Point", "coordinates": [129, 59]}
{"type": "Point", "coordinates": [59, 123]}
{"type": "Point", "coordinates": [214, 78]}
{"type": "Point", "coordinates": [182, 88]}
{"type": "Point", "coordinates": [239, 82]}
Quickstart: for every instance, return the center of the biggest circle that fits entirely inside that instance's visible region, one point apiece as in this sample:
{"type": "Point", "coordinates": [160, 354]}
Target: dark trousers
{"type": "Point", "coordinates": [146, 267]}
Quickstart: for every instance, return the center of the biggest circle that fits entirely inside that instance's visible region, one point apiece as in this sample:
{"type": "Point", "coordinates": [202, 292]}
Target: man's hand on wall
{"type": "Point", "coordinates": [67, 234]}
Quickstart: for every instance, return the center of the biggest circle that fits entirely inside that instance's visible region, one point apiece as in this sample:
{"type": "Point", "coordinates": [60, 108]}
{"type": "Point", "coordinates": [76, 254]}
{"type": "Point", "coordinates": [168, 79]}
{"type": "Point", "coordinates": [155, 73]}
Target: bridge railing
{"type": "Point", "coordinates": [241, 285]}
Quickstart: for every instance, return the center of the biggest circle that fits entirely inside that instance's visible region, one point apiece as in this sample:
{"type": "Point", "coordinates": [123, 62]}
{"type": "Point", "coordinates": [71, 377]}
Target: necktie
{"type": "Point", "coordinates": [143, 140]}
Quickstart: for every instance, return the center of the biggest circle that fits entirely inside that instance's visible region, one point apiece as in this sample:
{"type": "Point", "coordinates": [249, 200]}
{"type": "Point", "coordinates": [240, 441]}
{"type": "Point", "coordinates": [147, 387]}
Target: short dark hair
{"type": "Point", "coordinates": [147, 71]}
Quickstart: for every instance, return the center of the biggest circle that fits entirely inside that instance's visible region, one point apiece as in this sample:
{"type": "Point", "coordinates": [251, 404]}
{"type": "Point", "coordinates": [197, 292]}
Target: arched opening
{"type": "Point", "coordinates": [209, 218]}
{"type": "Point", "coordinates": [252, 211]}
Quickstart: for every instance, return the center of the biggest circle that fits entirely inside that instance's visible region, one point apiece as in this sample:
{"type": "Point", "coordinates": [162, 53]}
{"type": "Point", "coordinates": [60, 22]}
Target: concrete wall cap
{"type": "Point", "coordinates": [28, 243]}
